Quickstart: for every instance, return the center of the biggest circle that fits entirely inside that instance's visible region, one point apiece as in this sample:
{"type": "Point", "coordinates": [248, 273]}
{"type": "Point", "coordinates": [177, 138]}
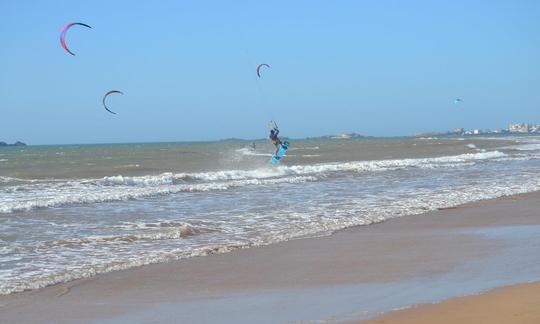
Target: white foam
{"type": "Point", "coordinates": [304, 148]}
{"type": "Point", "coordinates": [52, 277]}
{"type": "Point", "coordinates": [128, 166]}
{"type": "Point", "coordinates": [522, 144]}
{"type": "Point", "coordinates": [264, 173]}
{"type": "Point", "coordinates": [383, 165]}
{"type": "Point", "coordinates": [527, 147]}
{"type": "Point", "coordinates": [251, 152]}
{"type": "Point", "coordinates": [525, 144]}
{"type": "Point", "coordinates": [177, 231]}
{"type": "Point", "coordinates": [46, 194]}
{"type": "Point", "coordinates": [78, 193]}
{"type": "Point", "coordinates": [149, 180]}
{"type": "Point", "coordinates": [13, 179]}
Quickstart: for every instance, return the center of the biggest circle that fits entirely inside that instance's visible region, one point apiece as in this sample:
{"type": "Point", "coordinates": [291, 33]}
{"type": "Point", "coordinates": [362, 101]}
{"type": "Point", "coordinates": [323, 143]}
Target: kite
{"type": "Point", "coordinates": [63, 34]}
{"type": "Point", "coordinates": [259, 68]}
{"type": "Point", "coordinates": [105, 96]}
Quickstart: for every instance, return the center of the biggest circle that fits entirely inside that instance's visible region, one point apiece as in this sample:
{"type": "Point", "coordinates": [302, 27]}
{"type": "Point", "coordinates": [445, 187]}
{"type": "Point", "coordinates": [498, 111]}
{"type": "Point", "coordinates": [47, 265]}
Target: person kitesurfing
{"type": "Point", "coordinates": [281, 147]}
{"type": "Point", "coordinates": [274, 131]}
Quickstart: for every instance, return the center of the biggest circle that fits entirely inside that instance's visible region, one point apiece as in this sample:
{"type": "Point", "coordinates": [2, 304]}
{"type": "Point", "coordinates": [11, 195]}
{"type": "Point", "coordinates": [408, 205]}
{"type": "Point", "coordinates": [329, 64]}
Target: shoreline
{"type": "Point", "coordinates": [518, 303]}
{"type": "Point", "coordinates": [398, 254]}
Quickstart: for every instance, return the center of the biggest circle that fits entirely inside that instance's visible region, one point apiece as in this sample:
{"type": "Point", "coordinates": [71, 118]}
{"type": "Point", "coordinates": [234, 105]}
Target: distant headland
{"type": "Point", "coordinates": [14, 144]}
{"type": "Point", "coordinates": [341, 136]}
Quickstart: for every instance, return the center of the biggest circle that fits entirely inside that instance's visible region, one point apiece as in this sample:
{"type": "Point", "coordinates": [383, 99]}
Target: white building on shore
{"type": "Point", "coordinates": [519, 128]}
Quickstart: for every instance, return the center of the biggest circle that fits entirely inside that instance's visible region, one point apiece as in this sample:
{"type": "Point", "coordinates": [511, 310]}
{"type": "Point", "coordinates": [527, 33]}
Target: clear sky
{"type": "Point", "coordinates": [187, 68]}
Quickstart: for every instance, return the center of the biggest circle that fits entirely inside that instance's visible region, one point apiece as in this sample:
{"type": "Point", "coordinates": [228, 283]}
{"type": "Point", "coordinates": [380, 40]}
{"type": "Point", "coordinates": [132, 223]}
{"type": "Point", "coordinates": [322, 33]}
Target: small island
{"type": "Point", "coordinates": [14, 144]}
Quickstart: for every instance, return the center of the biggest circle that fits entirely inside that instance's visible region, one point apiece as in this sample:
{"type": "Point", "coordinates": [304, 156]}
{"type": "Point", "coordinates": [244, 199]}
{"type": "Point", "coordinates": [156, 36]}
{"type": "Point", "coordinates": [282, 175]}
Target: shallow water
{"type": "Point", "coordinates": [518, 261]}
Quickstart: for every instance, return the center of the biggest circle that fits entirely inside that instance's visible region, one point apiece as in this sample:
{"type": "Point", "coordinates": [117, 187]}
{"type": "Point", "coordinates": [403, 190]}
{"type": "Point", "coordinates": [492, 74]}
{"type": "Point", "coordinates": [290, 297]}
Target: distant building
{"type": "Point", "coordinates": [512, 128]}
{"type": "Point", "coordinates": [519, 128]}
{"type": "Point", "coordinates": [473, 132]}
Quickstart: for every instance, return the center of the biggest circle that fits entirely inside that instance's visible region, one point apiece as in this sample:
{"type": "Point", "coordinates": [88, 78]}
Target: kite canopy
{"type": "Point", "coordinates": [106, 95]}
{"type": "Point", "coordinates": [63, 34]}
{"type": "Point", "coordinates": [457, 101]}
{"type": "Point", "coordinates": [259, 68]}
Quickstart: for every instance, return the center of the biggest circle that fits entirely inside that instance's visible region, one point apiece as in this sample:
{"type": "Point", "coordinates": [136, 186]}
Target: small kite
{"type": "Point", "coordinates": [63, 34]}
{"type": "Point", "coordinates": [457, 101]}
{"type": "Point", "coordinates": [105, 96]}
{"type": "Point", "coordinates": [259, 68]}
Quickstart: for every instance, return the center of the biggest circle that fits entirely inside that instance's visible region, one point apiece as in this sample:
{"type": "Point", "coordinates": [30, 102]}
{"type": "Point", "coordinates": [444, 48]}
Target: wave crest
{"type": "Point", "coordinates": [32, 194]}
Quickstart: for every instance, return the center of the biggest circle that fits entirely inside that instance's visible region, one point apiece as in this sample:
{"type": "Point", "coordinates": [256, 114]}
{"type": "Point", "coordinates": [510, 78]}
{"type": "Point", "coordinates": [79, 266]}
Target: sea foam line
{"type": "Point", "coordinates": [86, 194]}
{"type": "Point", "coordinates": [117, 188]}
{"type": "Point", "coordinates": [280, 171]}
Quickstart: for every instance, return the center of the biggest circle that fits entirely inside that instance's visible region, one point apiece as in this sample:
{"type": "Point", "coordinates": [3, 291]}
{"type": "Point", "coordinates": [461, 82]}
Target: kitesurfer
{"type": "Point", "coordinates": [274, 137]}
{"type": "Point", "coordinates": [281, 148]}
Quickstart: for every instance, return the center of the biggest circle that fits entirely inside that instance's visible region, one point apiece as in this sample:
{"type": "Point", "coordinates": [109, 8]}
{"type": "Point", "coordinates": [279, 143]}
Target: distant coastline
{"type": "Point", "coordinates": [513, 129]}
{"type": "Point", "coordinates": [3, 144]}
{"type": "Point", "coordinates": [522, 129]}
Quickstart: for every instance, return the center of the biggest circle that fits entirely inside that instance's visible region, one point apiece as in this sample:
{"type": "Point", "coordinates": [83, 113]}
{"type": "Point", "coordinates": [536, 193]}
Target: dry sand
{"type": "Point", "coordinates": [405, 248]}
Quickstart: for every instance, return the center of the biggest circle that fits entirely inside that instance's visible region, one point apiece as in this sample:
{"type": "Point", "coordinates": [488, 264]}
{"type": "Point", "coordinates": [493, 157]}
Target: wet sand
{"type": "Point", "coordinates": [351, 275]}
{"type": "Point", "coordinates": [519, 304]}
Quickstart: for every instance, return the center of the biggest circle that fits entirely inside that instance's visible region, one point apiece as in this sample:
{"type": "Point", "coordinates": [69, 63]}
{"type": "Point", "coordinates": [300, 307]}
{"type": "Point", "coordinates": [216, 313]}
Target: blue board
{"type": "Point", "coordinates": [281, 152]}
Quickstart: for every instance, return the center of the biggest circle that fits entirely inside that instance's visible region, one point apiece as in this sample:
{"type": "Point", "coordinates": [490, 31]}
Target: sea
{"type": "Point", "coordinates": [75, 211]}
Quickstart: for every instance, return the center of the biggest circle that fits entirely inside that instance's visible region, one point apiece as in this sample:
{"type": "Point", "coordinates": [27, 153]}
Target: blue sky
{"type": "Point", "coordinates": [187, 68]}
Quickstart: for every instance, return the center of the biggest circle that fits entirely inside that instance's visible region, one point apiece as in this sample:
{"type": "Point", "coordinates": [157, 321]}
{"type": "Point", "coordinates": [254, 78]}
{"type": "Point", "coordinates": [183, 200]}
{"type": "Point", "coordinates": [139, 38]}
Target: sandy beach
{"type": "Point", "coordinates": [354, 274]}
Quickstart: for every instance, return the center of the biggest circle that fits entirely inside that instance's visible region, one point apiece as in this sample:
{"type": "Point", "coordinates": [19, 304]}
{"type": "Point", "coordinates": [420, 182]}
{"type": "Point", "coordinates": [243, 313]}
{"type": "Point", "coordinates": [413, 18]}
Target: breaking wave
{"type": "Point", "coordinates": [26, 195]}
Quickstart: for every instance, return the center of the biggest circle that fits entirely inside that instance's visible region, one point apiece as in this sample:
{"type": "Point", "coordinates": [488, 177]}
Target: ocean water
{"type": "Point", "coordinates": [69, 212]}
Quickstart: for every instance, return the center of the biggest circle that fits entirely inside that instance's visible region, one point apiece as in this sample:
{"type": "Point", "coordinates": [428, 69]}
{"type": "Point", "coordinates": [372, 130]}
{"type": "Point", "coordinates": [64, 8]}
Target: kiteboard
{"type": "Point", "coordinates": [281, 152]}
